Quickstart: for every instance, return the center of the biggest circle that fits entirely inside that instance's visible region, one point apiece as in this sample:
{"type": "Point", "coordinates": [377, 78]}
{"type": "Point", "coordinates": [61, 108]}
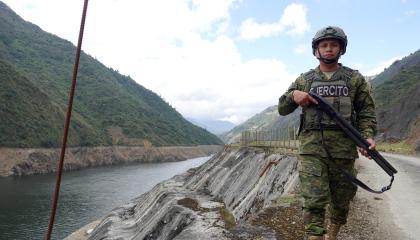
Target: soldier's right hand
{"type": "Point", "coordinates": [303, 98]}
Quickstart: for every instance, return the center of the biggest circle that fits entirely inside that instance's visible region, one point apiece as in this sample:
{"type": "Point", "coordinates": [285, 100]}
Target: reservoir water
{"type": "Point", "coordinates": [85, 196]}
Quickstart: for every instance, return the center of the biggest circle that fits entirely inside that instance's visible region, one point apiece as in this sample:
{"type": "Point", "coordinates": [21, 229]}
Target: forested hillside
{"type": "Point", "coordinates": [109, 108]}
{"type": "Point", "coordinates": [397, 97]}
{"type": "Point", "coordinates": [388, 73]}
{"type": "Point", "coordinates": [25, 111]}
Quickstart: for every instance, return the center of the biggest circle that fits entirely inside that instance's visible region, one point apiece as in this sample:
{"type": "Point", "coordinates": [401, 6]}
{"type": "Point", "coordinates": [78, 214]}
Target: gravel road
{"type": "Point", "coordinates": [391, 215]}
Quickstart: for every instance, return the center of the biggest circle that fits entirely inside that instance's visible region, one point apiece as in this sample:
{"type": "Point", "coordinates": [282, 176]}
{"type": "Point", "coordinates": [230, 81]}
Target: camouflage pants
{"type": "Point", "coordinates": [321, 184]}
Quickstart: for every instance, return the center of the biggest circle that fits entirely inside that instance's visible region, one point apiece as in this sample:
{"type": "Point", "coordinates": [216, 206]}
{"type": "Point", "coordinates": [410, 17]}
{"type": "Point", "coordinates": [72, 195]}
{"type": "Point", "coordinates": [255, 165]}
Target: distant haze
{"type": "Point", "coordinates": [213, 126]}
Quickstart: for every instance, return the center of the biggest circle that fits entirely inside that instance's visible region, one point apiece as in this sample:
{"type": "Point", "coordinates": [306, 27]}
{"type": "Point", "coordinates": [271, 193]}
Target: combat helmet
{"type": "Point", "coordinates": [328, 33]}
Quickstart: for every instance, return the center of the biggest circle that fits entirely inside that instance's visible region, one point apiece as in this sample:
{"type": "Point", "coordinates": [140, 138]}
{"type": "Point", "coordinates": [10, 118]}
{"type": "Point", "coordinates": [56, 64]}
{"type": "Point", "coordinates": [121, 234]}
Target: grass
{"type": "Point", "coordinates": [286, 200]}
{"type": "Point", "coordinates": [228, 218]}
{"type": "Point", "coordinates": [397, 147]}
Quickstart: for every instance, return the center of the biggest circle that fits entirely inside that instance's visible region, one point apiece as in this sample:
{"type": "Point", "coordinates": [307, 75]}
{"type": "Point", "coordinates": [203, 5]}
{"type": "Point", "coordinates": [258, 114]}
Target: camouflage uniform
{"type": "Point", "coordinates": [321, 183]}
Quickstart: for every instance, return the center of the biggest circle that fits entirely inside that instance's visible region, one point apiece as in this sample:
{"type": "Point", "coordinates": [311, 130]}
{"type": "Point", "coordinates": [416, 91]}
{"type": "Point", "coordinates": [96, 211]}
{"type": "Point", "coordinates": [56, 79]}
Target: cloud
{"type": "Point", "coordinates": [381, 66]}
{"type": "Point", "coordinates": [59, 17]}
{"type": "Point", "coordinates": [410, 13]}
{"type": "Point", "coordinates": [293, 22]}
{"type": "Point", "coordinates": [169, 52]}
{"type": "Point", "coordinates": [180, 51]}
{"type": "Point", "coordinates": [209, 80]}
{"type": "Point", "coordinates": [251, 30]}
{"type": "Point", "coordinates": [294, 17]}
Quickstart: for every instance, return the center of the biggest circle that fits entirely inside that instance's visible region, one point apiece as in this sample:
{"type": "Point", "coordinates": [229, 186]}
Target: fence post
{"type": "Point", "coordinates": [272, 138]}
{"type": "Point", "coordinates": [256, 137]}
{"type": "Point", "coordinates": [283, 140]}
{"type": "Point", "coordinates": [280, 138]}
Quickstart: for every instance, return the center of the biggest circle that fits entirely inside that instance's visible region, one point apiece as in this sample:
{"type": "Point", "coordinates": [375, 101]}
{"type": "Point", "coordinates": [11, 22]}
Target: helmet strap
{"type": "Point", "coordinates": [328, 61]}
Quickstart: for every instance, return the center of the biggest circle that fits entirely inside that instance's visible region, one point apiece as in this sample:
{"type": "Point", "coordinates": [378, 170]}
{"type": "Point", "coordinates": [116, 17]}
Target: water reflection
{"type": "Point", "coordinates": [85, 196]}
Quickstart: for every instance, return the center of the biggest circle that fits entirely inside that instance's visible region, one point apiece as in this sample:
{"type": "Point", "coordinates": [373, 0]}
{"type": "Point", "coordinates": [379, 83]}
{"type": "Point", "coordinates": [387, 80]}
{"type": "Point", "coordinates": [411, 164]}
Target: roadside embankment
{"type": "Point", "coordinates": [27, 161]}
{"type": "Point", "coordinates": [208, 202]}
{"type": "Point", "coordinates": [401, 147]}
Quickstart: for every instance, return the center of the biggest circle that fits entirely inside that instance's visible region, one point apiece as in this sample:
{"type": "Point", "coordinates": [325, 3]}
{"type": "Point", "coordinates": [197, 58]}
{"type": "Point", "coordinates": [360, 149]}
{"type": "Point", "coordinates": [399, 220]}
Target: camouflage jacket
{"type": "Point", "coordinates": [337, 142]}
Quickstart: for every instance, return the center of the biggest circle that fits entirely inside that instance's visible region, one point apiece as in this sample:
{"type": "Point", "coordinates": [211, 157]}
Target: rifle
{"type": "Point", "coordinates": [357, 138]}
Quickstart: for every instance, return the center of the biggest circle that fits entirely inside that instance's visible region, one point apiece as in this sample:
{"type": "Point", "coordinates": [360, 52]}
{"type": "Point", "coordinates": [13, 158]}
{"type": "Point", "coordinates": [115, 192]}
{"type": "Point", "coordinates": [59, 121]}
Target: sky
{"type": "Point", "coordinates": [227, 59]}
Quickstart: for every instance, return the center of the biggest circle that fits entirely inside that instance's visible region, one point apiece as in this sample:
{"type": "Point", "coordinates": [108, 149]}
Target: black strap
{"type": "Point", "coordinates": [349, 177]}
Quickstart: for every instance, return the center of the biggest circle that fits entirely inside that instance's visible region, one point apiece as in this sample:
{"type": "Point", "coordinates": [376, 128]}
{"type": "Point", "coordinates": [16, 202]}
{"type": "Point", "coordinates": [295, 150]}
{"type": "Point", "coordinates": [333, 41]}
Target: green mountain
{"type": "Point", "coordinates": [267, 120]}
{"type": "Point", "coordinates": [400, 83]}
{"type": "Point", "coordinates": [109, 108]}
{"type": "Point", "coordinates": [412, 60]}
{"type": "Point", "coordinates": [25, 110]}
{"type": "Point", "coordinates": [397, 98]}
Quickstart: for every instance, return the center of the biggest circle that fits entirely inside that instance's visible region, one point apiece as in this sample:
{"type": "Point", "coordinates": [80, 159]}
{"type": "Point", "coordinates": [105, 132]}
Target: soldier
{"type": "Point", "coordinates": [346, 89]}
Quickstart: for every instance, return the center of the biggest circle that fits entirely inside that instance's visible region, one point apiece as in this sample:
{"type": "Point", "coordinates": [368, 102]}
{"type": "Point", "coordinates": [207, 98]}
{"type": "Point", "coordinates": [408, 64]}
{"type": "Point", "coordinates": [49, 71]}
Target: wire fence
{"type": "Point", "coordinates": [279, 138]}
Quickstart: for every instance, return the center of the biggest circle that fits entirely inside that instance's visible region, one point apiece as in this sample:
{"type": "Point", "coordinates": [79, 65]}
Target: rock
{"type": "Point", "coordinates": [418, 147]}
{"type": "Point", "coordinates": [44, 160]}
{"type": "Point", "coordinates": [198, 203]}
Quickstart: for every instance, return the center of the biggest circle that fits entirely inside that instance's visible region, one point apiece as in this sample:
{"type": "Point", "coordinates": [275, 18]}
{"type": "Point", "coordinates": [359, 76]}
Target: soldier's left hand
{"type": "Point", "coordinates": [372, 146]}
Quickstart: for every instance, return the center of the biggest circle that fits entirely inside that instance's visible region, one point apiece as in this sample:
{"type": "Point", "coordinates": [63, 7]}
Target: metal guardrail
{"type": "Point", "coordinates": [279, 138]}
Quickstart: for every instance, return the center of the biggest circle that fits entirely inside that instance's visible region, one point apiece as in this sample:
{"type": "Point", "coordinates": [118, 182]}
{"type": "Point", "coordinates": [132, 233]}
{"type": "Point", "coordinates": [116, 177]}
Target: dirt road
{"type": "Point", "coordinates": [404, 198]}
{"type": "Point", "coordinates": [392, 215]}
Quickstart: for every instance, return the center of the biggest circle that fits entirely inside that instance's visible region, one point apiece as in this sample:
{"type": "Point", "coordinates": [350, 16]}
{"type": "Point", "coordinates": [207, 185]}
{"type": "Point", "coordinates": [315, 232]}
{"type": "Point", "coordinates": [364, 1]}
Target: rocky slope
{"type": "Point", "coordinates": [396, 92]}
{"type": "Point", "coordinates": [21, 161]}
{"type": "Point", "coordinates": [401, 120]}
{"type": "Point", "coordinates": [208, 202]}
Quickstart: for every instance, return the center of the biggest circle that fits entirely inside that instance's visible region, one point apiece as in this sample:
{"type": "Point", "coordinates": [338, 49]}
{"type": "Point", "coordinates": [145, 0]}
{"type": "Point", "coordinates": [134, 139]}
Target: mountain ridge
{"type": "Point", "coordinates": [104, 100]}
{"type": "Point", "coordinates": [395, 67]}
